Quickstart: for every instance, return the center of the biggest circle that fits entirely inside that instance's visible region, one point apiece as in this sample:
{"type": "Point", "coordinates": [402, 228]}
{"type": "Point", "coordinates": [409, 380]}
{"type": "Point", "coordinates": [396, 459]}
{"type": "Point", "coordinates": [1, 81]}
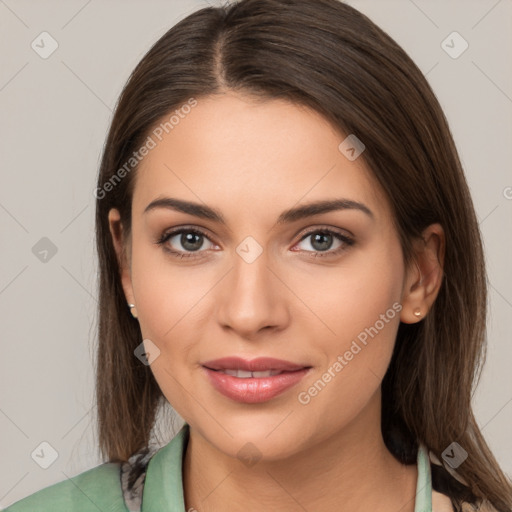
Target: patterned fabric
{"type": "Point", "coordinates": [133, 476]}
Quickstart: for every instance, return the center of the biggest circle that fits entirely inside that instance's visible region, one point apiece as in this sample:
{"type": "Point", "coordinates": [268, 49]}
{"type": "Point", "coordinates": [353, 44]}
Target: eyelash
{"type": "Point", "coordinates": [347, 241]}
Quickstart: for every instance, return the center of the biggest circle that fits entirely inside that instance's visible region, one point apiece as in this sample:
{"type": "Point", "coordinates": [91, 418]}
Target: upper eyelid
{"type": "Point", "coordinates": [337, 231]}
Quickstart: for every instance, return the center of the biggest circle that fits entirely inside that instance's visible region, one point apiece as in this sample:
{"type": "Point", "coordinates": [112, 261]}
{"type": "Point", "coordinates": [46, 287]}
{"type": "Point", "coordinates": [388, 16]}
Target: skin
{"type": "Point", "coordinates": [251, 160]}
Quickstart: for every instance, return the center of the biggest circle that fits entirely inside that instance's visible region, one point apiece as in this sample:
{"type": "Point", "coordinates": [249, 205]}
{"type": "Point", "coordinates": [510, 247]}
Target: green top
{"type": "Point", "coordinates": [99, 489]}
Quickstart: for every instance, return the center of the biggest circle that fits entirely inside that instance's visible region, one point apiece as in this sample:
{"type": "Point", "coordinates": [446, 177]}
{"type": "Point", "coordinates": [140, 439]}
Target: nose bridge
{"type": "Point", "coordinates": [253, 299]}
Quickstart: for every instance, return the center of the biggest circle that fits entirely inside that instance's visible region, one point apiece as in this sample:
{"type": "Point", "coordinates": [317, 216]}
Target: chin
{"type": "Point", "coordinates": [255, 436]}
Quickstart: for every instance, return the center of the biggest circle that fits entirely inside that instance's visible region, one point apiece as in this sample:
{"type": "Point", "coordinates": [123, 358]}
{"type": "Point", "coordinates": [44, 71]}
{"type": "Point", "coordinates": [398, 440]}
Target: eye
{"type": "Point", "coordinates": [322, 240]}
{"type": "Point", "coordinates": [191, 240]}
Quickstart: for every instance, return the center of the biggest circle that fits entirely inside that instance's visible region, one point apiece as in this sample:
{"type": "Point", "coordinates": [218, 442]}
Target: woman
{"type": "Point", "coordinates": [290, 257]}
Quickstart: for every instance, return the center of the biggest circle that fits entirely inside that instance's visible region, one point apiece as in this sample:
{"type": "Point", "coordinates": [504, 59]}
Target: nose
{"type": "Point", "coordinates": [253, 299]}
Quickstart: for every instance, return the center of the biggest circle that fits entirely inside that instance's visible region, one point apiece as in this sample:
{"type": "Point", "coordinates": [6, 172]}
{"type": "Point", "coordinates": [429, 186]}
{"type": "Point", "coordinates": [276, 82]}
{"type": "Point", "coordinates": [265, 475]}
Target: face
{"type": "Point", "coordinates": [250, 272]}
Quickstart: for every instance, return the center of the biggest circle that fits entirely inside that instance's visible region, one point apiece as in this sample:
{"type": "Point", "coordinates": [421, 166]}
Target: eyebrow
{"type": "Point", "coordinates": [288, 216]}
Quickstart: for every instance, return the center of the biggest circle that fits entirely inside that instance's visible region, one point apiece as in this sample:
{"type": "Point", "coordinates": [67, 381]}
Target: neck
{"type": "Point", "coordinates": [352, 468]}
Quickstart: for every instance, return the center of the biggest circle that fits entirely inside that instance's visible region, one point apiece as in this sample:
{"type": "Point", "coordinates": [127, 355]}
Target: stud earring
{"type": "Point", "coordinates": [417, 312]}
{"type": "Point", "coordinates": [133, 310]}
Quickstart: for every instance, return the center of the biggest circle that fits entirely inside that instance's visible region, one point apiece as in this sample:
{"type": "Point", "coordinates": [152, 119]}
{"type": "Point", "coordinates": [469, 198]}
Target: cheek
{"type": "Point", "coordinates": [169, 300]}
{"type": "Point", "coordinates": [352, 296]}
{"type": "Point", "coordinates": [360, 305]}
{"type": "Point", "coordinates": [165, 293]}
{"type": "Point", "coordinates": [174, 304]}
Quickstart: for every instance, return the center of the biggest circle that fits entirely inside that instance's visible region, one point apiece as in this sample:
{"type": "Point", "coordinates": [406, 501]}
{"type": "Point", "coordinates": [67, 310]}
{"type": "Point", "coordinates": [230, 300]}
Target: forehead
{"type": "Point", "coordinates": [232, 151]}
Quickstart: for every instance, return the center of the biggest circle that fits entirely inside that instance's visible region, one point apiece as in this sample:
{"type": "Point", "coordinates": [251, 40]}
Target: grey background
{"type": "Point", "coordinates": [54, 118]}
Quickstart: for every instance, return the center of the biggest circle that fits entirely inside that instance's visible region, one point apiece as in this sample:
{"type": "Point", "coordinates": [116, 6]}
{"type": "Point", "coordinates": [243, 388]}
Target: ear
{"type": "Point", "coordinates": [123, 259]}
{"type": "Point", "coordinates": [424, 276]}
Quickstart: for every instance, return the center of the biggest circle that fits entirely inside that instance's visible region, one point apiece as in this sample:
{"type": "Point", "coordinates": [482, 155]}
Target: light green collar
{"type": "Point", "coordinates": [163, 489]}
{"type": "Point", "coordinates": [424, 485]}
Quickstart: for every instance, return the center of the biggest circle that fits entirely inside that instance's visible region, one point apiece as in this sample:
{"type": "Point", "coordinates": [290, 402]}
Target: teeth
{"type": "Point", "coordinates": [267, 373]}
{"type": "Point", "coordinates": [244, 374]}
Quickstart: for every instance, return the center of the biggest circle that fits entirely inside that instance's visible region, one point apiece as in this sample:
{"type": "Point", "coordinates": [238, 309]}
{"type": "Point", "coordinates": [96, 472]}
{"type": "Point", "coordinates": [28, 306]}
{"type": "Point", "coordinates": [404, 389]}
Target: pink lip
{"type": "Point", "coordinates": [253, 390]}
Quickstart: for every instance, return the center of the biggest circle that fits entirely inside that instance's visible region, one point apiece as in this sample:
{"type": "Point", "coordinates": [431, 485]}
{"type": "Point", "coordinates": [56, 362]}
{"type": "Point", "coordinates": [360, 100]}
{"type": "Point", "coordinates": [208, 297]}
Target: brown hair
{"type": "Point", "coordinates": [325, 55]}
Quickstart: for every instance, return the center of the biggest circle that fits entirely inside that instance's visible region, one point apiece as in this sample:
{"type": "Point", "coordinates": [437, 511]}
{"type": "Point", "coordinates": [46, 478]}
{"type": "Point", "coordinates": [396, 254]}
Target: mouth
{"type": "Point", "coordinates": [254, 381]}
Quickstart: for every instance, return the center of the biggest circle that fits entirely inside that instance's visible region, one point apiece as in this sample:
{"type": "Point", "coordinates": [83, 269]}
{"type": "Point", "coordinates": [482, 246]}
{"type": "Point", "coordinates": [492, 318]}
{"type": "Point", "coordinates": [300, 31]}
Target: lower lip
{"type": "Point", "coordinates": [253, 390]}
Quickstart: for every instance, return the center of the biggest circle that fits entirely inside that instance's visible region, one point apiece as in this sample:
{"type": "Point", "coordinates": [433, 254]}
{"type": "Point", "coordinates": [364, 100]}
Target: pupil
{"type": "Point", "coordinates": [188, 242]}
{"type": "Point", "coordinates": [322, 241]}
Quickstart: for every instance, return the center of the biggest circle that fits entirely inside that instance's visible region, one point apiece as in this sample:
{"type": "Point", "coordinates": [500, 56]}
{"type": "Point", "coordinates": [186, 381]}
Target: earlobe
{"type": "Point", "coordinates": [133, 311]}
{"type": "Point", "coordinates": [116, 231]}
{"type": "Point", "coordinates": [424, 275]}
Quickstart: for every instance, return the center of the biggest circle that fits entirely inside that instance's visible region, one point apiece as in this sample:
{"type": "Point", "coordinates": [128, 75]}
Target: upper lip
{"type": "Point", "coordinates": [254, 365]}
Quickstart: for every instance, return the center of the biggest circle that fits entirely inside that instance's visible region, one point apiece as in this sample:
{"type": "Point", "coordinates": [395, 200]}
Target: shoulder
{"type": "Point", "coordinates": [98, 488]}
